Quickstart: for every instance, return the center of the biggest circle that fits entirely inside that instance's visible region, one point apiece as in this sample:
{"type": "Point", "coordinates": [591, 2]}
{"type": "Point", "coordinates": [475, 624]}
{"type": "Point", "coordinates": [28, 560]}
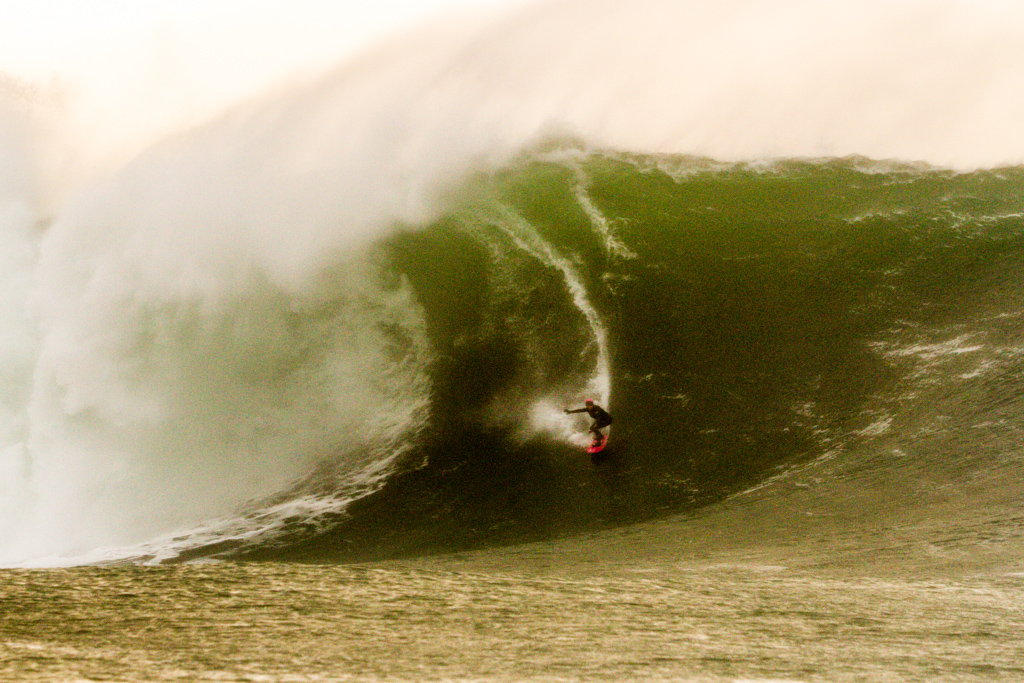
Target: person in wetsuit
{"type": "Point", "coordinates": [598, 414]}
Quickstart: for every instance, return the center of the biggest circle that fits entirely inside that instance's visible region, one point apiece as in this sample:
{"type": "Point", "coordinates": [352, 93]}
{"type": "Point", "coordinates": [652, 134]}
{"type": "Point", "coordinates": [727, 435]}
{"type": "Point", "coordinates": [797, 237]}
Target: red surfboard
{"type": "Point", "coordinates": [597, 445]}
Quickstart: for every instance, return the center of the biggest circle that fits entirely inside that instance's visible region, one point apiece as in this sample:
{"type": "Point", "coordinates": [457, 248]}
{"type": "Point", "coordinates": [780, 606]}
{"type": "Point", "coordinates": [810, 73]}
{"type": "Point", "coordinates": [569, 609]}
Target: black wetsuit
{"type": "Point", "coordinates": [600, 416]}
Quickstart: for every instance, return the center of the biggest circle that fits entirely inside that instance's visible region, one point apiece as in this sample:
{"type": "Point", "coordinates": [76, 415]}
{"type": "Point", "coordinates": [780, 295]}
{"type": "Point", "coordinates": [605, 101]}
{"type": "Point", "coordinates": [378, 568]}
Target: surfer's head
{"type": "Point", "coordinates": [588, 402]}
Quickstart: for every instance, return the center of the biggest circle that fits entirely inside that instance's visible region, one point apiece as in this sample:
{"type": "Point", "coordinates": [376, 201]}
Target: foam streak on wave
{"type": "Point", "coordinates": [526, 237]}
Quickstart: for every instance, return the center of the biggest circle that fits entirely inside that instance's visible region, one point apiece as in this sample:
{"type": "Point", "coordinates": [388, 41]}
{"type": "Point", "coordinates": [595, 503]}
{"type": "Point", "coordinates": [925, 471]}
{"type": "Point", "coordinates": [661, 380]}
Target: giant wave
{"type": "Point", "coordinates": [343, 323]}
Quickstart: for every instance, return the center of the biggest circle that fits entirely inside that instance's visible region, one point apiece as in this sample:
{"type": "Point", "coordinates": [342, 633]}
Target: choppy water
{"type": "Point", "coordinates": [331, 623]}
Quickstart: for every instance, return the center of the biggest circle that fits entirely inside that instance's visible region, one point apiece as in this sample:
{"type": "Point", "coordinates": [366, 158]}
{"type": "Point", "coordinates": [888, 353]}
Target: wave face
{"type": "Point", "coordinates": [343, 323]}
{"type": "Point", "coordinates": [737, 319]}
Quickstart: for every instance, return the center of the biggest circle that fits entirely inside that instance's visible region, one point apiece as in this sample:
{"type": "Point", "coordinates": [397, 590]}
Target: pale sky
{"type": "Point", "coordinates": [38, 37]}
{"type": "Point", "coordinates": [158, 65]}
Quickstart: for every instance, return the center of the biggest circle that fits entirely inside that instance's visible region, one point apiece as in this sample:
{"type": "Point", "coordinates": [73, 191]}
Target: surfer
{"type": "Point", "coordinates": [600, 416]}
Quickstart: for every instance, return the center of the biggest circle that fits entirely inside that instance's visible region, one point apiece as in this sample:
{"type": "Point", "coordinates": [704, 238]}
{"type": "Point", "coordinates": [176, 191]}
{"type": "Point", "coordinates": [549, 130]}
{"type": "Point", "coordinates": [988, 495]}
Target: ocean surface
{"type": "Point", "coordinates": [282, 398]}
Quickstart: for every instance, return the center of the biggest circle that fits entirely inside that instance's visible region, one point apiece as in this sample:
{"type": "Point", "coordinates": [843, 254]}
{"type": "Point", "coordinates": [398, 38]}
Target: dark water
{"type": "Point", "coordinates": [742, 319]}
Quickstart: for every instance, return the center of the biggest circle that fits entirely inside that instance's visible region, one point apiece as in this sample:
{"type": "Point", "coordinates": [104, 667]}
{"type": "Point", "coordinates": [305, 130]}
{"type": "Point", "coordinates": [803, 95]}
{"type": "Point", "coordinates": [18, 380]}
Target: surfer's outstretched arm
{"type": "Point", "coordinates": [578, 410]}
